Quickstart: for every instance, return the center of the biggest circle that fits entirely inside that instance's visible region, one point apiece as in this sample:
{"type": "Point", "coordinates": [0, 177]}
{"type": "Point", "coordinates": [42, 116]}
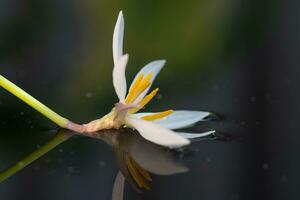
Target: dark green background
{"type": "Point", "coordinates": [237, 58]}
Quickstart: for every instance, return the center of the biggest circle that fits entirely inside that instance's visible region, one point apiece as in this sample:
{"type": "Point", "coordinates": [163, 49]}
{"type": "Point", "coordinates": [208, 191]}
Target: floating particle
{"type": "Point", "coordinates": [253, 99]}
{"type": "Point", "coordinates": [265, 166]}
{"type": "Point", "coordinates": [101, 163]}
{"type": "Point", "coordinates": [71, 170]}
{"type": "Point", "coordinates": [159, 96]}
{"type": "Point", "coordinates": [89, 95]}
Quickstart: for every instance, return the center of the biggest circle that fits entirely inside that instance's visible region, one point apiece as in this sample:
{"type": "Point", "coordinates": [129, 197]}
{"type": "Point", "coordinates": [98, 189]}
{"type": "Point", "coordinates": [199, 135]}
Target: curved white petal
{"type": "Point", "coordinates": [118, 188]}
{"type": "Point", "coordinates": [157, 134]}
{"type": "Point", "coordinates": [119, 78]}
{"type": "Point", "coordinates": [153, 67]}
{"type": "Point", "coordinates": [118, 38]}
{"type": "Point", "coordinates": [178, 119]}
{"type": "Point", "coordinates": [195, 135]}
{"type": "Point", "coordinates": [154, 158]}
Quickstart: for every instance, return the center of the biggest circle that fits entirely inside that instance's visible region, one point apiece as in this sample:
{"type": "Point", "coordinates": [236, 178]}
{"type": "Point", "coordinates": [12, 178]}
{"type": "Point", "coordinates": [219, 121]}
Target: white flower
{"type": "Point", "coordinates": [156, 127]}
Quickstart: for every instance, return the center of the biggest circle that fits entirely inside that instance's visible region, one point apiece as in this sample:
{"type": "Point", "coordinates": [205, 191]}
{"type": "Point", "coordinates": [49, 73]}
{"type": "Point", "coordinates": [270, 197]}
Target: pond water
{"type": "Point", "coordinates": [239, 61]}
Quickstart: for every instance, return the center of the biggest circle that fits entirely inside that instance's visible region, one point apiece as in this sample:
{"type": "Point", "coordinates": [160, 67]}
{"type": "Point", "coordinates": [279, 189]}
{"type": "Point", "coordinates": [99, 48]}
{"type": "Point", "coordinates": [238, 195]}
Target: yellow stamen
{"type": "Point", "coordinates": [145, 101]}
{"type": "Point", "coordinates": [142, 171]}
{"type": "Point", "coordinates": [157, 115]}
{"type": "Point", "coordinates": [138, 178]}
{"type": "Point", "coordinates": [134, 88]}
{"type": "Point", "coordinates": [34, 103]}
{"type": "Point", "coordinates": [144, 83]}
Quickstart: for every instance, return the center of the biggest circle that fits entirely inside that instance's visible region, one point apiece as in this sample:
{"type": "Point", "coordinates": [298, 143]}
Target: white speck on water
{"type": "Point", "coordinates": [101, 163]}
{"type": "Point", "coordinates": [89, 95]}
{"type": "Point", "coordinates": [71, 169]}
{"type": "Point", "coordinates": [159, 96]}
{"type": "Point", "coordinates": [284, 178]}
{"type": "Point", "coordinates": [243, 123]}
{"type": "Point", "coordinates": [36, 167]}
{"type": "Point", "coordinates": [215, 88]}
{"type": "Point", "coordinates": [181, 155]}
{"type": "Point", "coordinates": [265, 166]}
{"type": "Point", "coordinates": [253, 99]}
{"type": "Point", "coordinates": [235, 196]}
{"type": "Point", "coordinates": [22, 113]}
{"type": "Point", "coordinates": [61, 150]}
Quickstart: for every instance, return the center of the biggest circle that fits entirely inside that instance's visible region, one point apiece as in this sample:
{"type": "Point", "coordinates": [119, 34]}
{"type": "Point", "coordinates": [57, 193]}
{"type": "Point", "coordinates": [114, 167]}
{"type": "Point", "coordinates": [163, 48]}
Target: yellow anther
{"type": "Point", "coordinates": [145, 83]}
{"type": "Point", "coordinates": [138, 178]}
{"type": "Point", "coordinates": [143, 172]}
{"type": "Point", "coordinates": [158, 115]}
{"type": "Point", "coordinates": [145, 101]}
{"type": "Point", "coordinates": [139, 87]}
{"type": "Point", "coordinates": [134, 88]}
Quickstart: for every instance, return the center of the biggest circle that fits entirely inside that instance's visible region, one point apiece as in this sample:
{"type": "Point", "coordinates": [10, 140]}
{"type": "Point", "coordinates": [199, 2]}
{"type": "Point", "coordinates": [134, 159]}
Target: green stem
{"type": "Point", "coordinates": [58, 139]}
{"type": "Point", "coordinates": [34, 103]}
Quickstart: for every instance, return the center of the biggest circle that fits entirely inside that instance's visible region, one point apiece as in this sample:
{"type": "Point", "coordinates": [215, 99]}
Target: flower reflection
{"type": "Point", "coordinates": [137, 159]}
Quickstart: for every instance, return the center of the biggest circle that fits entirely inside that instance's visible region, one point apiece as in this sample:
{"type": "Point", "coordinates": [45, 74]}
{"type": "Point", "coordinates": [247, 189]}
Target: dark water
{"type": "Point", "coordinates": [238, 59]}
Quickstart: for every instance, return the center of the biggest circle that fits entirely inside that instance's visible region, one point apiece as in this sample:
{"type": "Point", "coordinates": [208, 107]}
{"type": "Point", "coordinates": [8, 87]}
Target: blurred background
{"type": "Point", "coordinates": [236, 58]}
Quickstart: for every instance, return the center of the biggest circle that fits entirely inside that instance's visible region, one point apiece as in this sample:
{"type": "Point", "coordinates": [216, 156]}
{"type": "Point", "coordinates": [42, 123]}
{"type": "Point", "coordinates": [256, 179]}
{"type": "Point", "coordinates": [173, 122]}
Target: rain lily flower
{"type": "Point", "coordinates": [156, 127]}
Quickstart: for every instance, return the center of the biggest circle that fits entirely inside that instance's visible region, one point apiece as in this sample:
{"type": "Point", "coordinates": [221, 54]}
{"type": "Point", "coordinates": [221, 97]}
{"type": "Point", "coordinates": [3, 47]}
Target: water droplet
{"type": "Point", "coordinates": [70, 169]}
{"type": "Point", "coordinates": [284, 178]}
{"type": "Point", "coordinates": [101, 163]}
{"type": "Point", "coordinates": [36, 167]}
{"type": "Point", "coordinates": [89, 95]}
{"type": "Point", "coordinates": [265, 166]}
{"type": "Point", "coordinates": [159, 96]}
{"type": "Point", "coordinates": [253, 99]}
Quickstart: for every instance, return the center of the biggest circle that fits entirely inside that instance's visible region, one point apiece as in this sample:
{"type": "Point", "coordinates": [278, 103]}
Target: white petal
{"type": "Point", "coordinates": [153, 67]}
{"type": "Point", "coordinates": [119, 78]}
{"type": "Point", "coordinates": [153, 158]}
{"type": "Point", "coordinates": [118, 38]}
{"type": "Point", "coordinates": [195, 135]}
{"type": "Point", "coordinates": [118, 188]}
{"type": "Point", "coordinates": [178, 119]}
{"type": "Point", "coordinates": [157, 134]}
